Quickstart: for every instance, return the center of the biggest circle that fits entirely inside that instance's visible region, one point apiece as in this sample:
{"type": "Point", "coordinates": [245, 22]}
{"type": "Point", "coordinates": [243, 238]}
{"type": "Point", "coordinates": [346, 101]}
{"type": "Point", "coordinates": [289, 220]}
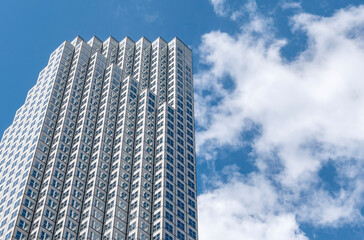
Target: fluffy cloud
{"type": "Point", "coordinates": [219, 7]}
{"type": "Point", "coordinates": [245, 208]}
{"type": "Point", "coordinates": [307, 112]}
{"type": "Point", "coordinates": [290, 5]}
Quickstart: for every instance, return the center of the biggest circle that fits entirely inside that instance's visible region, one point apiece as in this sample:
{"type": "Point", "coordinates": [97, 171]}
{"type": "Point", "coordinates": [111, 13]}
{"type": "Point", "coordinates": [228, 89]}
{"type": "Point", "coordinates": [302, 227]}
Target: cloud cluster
{"type": "Point", "coordinates": [219, 7]}
{"type": "Point", "coordinates": [245, 208]}
{"type": "Point", "coordinates": [308, 112]}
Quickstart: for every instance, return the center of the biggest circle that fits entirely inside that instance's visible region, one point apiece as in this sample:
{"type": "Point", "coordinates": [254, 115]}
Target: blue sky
{"type": "Point", "coordinates": [279, 102]}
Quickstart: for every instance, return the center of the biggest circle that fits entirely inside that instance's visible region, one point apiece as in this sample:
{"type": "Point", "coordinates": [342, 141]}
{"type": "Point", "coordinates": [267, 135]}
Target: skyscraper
{"type": "Point", "coordinates": [103, 147]}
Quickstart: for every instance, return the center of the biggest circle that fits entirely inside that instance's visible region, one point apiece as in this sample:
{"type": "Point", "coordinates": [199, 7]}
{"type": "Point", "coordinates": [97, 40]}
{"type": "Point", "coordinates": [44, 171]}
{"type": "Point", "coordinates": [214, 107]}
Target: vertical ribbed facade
{"type": "Point", "coordinates": [104, 146]}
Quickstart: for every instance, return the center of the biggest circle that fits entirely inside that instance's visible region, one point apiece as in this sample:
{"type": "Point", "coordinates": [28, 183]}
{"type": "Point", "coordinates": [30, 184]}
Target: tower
{"type": "Point", "coordinates": [103, 147]}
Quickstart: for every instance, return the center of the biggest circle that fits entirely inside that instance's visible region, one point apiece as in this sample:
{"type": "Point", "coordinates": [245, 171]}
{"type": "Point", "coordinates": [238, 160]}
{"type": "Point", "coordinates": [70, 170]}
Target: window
{"type": "Point", "coordinates": [191, 223]}
{"type": "Point", "coordinates": [169, 176]}
{"type": "Point", "coordinates": [191, 193]}
{"type": "Point", "coordinates": [156, 227]}
{"type": "Point", "coordinates": [169, 195]}
{"type": "Point", "coordinates": [169, 167]}
{"type": "Point", "coordinates": [192, 233]}
{"type": "Point", "coordinates": [169, 228]}
{"type": "Point", "coordinates": [169, 206]}
{"type": "Point", "coordinates": [180, 235]}
{"type": "Point", "coordinates": [180, 214]}
{"type": "Point", "coordinates": [191, 203]}
{"type": "Point", "coordinates": [180, 185]}
{"type": "Point", "coordinates": [192, 213]}
{"type": "Point", "coordinates": [169, 216]}
{"type": "Point", "coordinates": [180, 204]}
{"type": "Point", "coordinates": [180, 194]}
{"type": "Point", "coordinates": [18, 235]}
{"type": "Point", "coordinates": [180, 225]}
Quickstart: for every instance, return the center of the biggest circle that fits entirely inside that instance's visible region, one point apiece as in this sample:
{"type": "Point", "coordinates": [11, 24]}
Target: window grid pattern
{"type": "Point", "coordinates": [104, 146]}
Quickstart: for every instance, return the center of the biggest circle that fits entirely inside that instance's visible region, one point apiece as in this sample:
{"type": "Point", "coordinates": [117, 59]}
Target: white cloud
{"type": "Point", "coordinates": [309, 111]}
{"type": "Point", "coordinates": [290, 5]}
{"type": "Point", "coordinates": [247, 8]}
{"type": "Point", "coordinates": [223, 8]}
{"type": "Point", "coordinates": [245, 209]}
{"type": "Point", "coordinates": [219, 7]}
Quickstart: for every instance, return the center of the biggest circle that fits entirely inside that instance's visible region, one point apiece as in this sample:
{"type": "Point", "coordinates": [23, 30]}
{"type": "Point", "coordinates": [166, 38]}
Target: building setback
{"type": "Point", "coordinates": [104, 146]}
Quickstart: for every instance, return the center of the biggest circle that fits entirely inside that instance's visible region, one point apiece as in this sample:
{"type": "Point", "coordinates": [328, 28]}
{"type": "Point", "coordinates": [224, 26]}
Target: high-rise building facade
{"type": "Point", "coordinates": [104, 146]}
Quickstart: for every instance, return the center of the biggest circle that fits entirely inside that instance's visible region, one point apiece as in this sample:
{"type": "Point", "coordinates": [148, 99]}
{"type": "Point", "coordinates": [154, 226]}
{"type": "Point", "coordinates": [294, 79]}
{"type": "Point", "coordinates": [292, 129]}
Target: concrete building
{"type": "Point", "coordinates": [104, 146]}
